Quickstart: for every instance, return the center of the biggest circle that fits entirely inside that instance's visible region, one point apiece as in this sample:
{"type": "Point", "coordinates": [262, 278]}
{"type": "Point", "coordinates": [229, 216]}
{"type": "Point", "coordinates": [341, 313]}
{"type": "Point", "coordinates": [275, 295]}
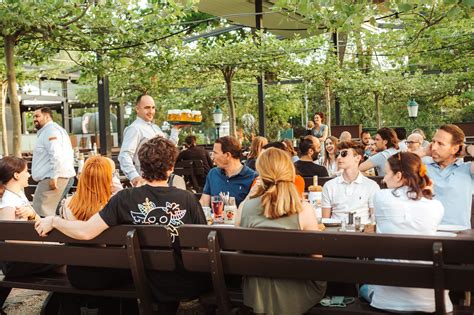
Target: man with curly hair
{"type": "Point", "coordinates": [153, 203]}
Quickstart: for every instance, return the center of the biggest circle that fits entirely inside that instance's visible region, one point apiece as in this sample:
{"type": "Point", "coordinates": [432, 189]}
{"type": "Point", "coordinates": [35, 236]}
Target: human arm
{"type": "Point", "coordinates": [174, 134]}
{"type": "Point", "coordinates": [325, 133]}
{"type": "Point", "coordinates": [26, 212]}
{"type": "Point", "coordinates": [238, 214]}
{"type": "Point", "coordinates": [205, 200]}
{"type": "Point", "coordinates": [469, 151]}
{"type": "Point", "coordinates": [326, 202]}
{"type": "Point", "coordinates": [54, 152]}
{"type": "Point", "coordinates": [7, 213]}
{"type": "Point", "coordinates": [367, 165]}
{"type": "Point", "coordinates": [206, 192]}
{"type": "Point", "coordinates": [131, 140]}
{"type": "Point", "coordinates": [80, 230]}
{"type": "Point", "coordinates": [308, 220]}
{"type": "Point", "coordinates": [326, 212]}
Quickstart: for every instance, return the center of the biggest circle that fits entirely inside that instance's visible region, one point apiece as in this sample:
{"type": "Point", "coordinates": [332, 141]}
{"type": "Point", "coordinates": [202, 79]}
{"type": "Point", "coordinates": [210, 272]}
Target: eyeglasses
{"type": "Point", "coordinates": [342, 153]}
{"type": "Point", "coordinates": [411, 142]}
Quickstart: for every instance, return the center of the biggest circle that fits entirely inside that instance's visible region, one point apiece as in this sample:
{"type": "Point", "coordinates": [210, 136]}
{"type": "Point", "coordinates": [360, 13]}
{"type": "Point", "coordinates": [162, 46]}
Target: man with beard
{"type": "Point", "coordinates": [53, 163]}
{"type": "Point", "coordinates": [155, 202]}
{"type": "Point", "coordinates": [386, 142]}
{"type": "Point", "coordinates": [309, 150]}
{"type": "Point", "coordinates": [453, 179]}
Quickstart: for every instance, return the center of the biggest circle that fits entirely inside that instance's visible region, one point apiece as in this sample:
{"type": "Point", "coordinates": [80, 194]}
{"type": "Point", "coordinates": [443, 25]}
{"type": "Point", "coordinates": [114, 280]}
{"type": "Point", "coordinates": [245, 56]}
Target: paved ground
{"type": "Point", "coordinates": [22, 302]}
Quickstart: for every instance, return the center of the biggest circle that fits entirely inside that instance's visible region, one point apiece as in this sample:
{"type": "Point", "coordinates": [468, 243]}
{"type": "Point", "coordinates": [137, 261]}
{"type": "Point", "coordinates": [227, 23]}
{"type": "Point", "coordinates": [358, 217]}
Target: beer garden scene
{"type": "Point", "coordinates": [236, 157]}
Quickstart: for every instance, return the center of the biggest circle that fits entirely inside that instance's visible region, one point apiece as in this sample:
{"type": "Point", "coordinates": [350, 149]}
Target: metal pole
{"type": "Point", "coordinates": [261, 77]}
{"type": "Point", "coordinates": [336, 99]}
{"type": "Point", "coordinates": [65, 111]}
{"type": "Point", "coordinates": [104, 115]}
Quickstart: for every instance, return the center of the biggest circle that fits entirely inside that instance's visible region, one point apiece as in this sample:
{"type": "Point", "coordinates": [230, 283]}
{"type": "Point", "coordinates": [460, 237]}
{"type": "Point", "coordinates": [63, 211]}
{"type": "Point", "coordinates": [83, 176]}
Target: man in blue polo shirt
{"type": "Point", "coordinates": [453, 179]}
{"type": "Point", "coordinates": [229, 175]}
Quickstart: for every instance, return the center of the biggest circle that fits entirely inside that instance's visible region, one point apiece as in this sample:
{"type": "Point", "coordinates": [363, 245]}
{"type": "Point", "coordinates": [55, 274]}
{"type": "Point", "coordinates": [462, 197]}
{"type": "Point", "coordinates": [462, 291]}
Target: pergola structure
{"type": "Point", "coordinates": [258, 15]}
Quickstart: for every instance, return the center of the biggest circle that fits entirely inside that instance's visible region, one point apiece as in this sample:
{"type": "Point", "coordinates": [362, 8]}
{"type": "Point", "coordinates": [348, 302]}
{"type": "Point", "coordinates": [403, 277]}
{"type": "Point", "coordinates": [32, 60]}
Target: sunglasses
{"type": "Point", "coordinates": [411, 142]}
{"type": "Point", "coordinates": [342, 153]}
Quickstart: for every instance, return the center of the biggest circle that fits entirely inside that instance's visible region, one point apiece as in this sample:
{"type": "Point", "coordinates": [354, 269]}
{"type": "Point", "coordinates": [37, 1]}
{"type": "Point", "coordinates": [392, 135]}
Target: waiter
{"type": "Point", "coordinates": [140, 131]}
{"type": "Point", "coordinates": [53, 163]}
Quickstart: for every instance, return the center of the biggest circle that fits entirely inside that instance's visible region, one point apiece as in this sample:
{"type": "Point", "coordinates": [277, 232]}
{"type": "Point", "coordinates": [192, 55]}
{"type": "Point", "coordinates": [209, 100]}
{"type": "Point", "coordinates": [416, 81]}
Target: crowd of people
{"type": "Point", "coordinates": [428, 184]}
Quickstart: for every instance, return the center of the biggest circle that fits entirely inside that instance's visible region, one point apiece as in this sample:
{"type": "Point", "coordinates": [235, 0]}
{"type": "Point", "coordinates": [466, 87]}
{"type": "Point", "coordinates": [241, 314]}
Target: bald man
{"type": "Point", "coordinates": [414, 142]}
{"type": "Point", "coordinates": [140, 131]}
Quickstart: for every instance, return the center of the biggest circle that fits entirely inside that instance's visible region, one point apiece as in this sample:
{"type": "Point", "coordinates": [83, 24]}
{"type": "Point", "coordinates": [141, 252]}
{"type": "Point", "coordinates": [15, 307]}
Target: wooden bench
{"type": "Point", "coordinates": [138, 248]}
{"type": "Point", "coordinates": [348, 258]}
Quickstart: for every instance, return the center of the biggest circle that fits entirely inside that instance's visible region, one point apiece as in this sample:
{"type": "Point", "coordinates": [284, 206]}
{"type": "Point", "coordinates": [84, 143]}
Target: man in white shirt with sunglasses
{"type": "Point", "coordinates": [351, 191]}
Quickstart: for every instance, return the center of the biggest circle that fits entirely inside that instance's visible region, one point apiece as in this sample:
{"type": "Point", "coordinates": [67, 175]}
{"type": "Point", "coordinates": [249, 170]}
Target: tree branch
{"type": "Point", "coordinates": [78, 17]}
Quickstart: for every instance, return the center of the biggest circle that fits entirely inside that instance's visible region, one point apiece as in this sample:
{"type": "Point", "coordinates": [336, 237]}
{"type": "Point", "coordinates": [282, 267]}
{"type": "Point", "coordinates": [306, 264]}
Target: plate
{"type": "Point", "coordinates": [446, 234]}
{"type": "Point", "coordinates": [331, 222]}
{"type": "Point", "coordinates": [451, 228]}
{"type": "Point", "coordinates": [177, 122]}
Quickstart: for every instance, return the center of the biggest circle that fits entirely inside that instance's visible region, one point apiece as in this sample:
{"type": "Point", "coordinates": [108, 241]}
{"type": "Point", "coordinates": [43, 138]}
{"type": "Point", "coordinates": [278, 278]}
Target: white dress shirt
{"type": "Point", "coordinates": [53, 155]}
{"type": "Point", "coordinates": [134, 136]}
{"type": "Point", "coordinates": [395, 213]}
{"type": "Point", "coordinates": [343, 197]}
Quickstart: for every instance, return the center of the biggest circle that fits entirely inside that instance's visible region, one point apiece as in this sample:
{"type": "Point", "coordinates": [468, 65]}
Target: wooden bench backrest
{"type": "Point", "coordinates": [283, 253]}
{"type": "Point", "coordinates": [155, 242]}
{"type": "Point", "coordinates": [138, 248]}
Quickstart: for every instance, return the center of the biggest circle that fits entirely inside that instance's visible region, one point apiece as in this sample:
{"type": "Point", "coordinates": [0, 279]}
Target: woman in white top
{"type": "Point", "coordinates": [406, 207]}
{"type": "Point", "coordinates": [15, 206]}
{"type": "Point", "coordinates": [329, 155]}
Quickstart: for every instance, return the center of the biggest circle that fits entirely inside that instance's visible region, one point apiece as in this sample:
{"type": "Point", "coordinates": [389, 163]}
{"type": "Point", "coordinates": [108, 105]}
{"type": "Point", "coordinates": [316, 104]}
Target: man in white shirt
{"type": "Point", "coordinates": [53, 163]}
{"type": "Point", "coordinates": [140, 131]}
{"type": "Point", "coordinates": [351, 191]}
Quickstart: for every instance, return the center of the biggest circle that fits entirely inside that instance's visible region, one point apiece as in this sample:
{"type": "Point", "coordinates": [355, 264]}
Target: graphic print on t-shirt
{"type": "Point", "coordinates": [169, 216]}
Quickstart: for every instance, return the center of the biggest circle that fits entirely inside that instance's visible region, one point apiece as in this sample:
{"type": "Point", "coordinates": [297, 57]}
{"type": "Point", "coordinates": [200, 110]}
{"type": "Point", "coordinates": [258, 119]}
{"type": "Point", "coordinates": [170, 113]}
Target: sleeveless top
{"type": "Point", "coordinates": [319, 133]}
{"type": "Point", "coordinates": [277, 296]}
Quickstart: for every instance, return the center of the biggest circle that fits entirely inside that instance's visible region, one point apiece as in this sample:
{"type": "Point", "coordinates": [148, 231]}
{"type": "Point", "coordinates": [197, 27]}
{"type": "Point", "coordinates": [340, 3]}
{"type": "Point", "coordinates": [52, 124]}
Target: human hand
{"type": "Point", "coordinates": [44, 226]}
{"type": "Point", "coordinates": [137, 181]}
{"type": "Point", "coordinates": [25, 212]}
{"type": "Point", "coordinates": [53, 183]}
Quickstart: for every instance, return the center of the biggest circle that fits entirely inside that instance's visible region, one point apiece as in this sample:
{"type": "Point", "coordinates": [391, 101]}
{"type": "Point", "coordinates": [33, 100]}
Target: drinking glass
{"type": "Point", "coordinates": [230, 209]}
{"type": "Point", "coordinates": [217, 205]}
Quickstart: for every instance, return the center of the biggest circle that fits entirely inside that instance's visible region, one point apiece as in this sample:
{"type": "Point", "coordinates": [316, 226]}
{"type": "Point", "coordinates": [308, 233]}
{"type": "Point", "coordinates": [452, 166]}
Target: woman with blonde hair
{"type": "Point", "coordinates": [255, 150]}
{"type": "Point", "coordinates": [329, 155]}
{"type": "Point", "coordinates": [275, 203]}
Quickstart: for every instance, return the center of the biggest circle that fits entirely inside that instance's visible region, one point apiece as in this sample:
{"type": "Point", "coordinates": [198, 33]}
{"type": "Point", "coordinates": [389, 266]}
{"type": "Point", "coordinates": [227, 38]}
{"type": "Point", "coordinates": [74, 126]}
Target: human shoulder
{"type": "Point", "coordinates": [369, 182]}
{"type": "Point", "coordinates": [384, 196]}
{"type": "Point", "coordinates": [9, 199]}
{"type": "Point", "coordinates": [247, 171]}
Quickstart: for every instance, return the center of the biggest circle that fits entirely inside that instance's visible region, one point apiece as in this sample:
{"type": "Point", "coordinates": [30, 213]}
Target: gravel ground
{"type": "Point", "coordinates": [21, 301]}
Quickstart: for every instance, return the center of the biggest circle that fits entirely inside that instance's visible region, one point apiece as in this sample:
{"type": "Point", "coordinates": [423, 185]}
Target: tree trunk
{"type": "Point", "coordinates": [3, 121]}
{"type": "Point", "coordinates": [377, 110]}
{"type": "Point", "coordinates": [327, 99]}
{"type": "Point", "coordinates": [14, 102]}
{"type": "Point", "coordinates": [228, 73]}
